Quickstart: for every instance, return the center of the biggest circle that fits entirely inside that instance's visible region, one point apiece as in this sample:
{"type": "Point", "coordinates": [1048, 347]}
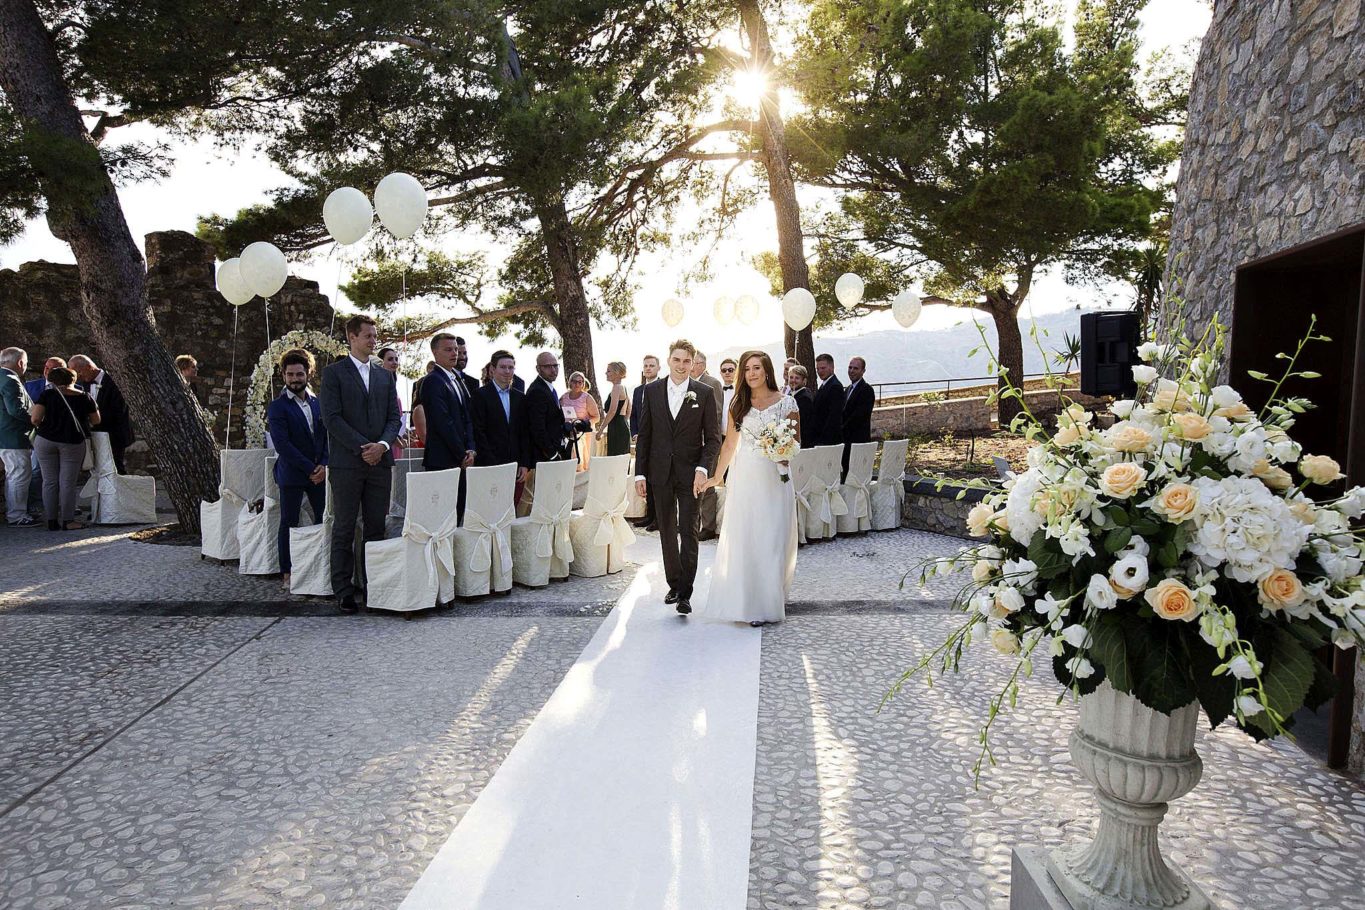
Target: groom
{"type": "Point", "coordinates": [677, 448]}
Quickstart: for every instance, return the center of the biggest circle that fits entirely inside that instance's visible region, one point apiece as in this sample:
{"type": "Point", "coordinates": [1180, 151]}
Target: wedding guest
{"type": "Point", "coordinates": [708, 508]}
{"type": "Point", "coordinates": [501, 431]}
{"type": "Point", "coordinates": [805, 400]}
{"type": "Point", "coordinates": [461, 362]}
{"type": "Point", "coordinates": [545, 417]}
{"type": "Point", "coordinates": [300, 441]}
{"type": "Point", "coordinates": [859, 402]}
{"type": "Point", "coordinates": [616, 422]}
{"type": "Point", "coordinates": [36, 387]}
{"type": "Point", "coordinates": [828, 414]}
{"type": "Point", "coordinates": [189, 371]}
{"type": "Point", "coordinates": [581, 409]}
{"type": "Point", "coordinates": [114, 419]}
{"type": "Point", "coordinates": [446, 401]}
{"type": "Point", "coordinates": [16, 425]}
{"type": "Point", "coordinates": [63, 416]}
{"type": "Point", "coordinates": [419, 414]}
{"type": "Point", "coordinates": [360, 412]}
{"type": "Point", "coordinates": [786, 374]}
{"type": "Point", "coordinates": [389, 358]}
{"type": "Point", "coordinates": [649, 371]}
{"type": "Point", "coordinates": [728, 368]}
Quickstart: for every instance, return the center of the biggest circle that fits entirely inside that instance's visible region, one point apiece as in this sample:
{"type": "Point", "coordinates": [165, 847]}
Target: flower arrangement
{"type": "Point", "coordinates": [258, 392]}
{"type": "Point", "coordinates": [776, 441]}
{"type": "Point", "coordinates": [1176, 554]}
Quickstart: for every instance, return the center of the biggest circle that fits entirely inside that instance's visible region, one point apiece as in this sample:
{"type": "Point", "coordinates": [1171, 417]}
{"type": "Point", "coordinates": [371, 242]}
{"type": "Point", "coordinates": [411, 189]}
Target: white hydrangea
{"type": "Point", "coordinates": [1242, 525]}
{"type": "Point", "coordinates": [1024, 522]}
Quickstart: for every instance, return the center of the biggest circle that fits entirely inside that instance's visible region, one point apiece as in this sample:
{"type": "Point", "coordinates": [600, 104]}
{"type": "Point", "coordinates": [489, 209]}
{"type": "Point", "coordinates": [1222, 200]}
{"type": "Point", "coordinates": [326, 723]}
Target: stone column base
{"type": "Point", "coordinates": [1032, 887]}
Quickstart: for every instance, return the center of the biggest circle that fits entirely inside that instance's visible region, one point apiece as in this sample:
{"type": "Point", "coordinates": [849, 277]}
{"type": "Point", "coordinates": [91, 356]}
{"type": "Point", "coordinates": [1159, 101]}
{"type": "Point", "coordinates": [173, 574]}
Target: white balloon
{"type": "Point", "coordinates": [673, 311]}
{"type": "Point", "coordinates": [231, 285]}
{"type": "Point", "coordinates": [906, 308]}
{"type": "Point", "coordinates": [798, 308]}
{"type": "Point", "coordinates": [849, 290]}
{"type": "Point", "coordinates": [724, 310]}
{"type": "Point", "coordinates": [347, 214]}
{"type": "Point", "coordinates": [746, 309]}
{"type": "Point", "coordinates": [401, 203]}
{"type": "Point", "coordinates": [264, 268]}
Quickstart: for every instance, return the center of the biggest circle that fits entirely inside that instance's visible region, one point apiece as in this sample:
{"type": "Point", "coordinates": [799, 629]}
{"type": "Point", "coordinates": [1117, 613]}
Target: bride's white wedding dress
{"type": "Point", "coordinates": [756, 556]}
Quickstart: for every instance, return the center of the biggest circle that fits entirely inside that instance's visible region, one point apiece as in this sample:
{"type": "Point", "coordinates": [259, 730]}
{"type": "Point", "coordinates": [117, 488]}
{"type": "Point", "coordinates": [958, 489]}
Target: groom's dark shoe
{"type": "Point", "coordinates": [671, 597]}
{"type": "Point", "coordinates": [684, 606]}
{"type": "Point", "coordinates": [347, 604]}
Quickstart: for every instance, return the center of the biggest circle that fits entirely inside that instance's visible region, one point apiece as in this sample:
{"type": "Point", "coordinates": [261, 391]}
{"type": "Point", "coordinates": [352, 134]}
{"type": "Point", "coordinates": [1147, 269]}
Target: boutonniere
{"type": "Point", "coordinates": [690, 396]}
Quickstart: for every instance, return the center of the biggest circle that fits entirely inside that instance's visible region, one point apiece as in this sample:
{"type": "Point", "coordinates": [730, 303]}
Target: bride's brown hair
{"type": "Point", "coordinates": [743, 400]}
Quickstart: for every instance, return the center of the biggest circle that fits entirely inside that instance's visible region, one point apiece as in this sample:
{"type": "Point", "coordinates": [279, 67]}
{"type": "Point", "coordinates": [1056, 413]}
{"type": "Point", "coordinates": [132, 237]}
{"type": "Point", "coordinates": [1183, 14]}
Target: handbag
{"type": "Point", "coordinates": [88, 462]}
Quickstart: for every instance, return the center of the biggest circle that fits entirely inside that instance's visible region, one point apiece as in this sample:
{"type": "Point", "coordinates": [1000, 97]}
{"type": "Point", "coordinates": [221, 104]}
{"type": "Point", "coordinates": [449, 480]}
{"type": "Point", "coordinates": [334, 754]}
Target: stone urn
{"type": "Point", "coordinates": [1139, 760]}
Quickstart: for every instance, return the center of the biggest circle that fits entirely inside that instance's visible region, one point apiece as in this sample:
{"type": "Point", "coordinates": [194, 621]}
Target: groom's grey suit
{"type": "Point", "coordinates": [668, 452]}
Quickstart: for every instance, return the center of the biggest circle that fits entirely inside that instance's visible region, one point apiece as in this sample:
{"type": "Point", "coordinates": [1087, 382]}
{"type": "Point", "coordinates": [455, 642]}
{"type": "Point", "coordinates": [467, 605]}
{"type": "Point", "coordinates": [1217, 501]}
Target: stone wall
{"type": "Point", "coordinates": [927, 508]}
{"type": "Point", "coordinates": [1275, 148]}
{"type": "Point", "coordinates": [971, 416]}
{"type": "Point", "coordinates": [40, 311]}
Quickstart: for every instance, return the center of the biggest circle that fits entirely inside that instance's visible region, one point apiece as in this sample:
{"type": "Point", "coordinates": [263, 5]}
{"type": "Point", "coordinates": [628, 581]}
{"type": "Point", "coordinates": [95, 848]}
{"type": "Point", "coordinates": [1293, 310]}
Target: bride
{"type": "Point", "coordinates": [756, 557]}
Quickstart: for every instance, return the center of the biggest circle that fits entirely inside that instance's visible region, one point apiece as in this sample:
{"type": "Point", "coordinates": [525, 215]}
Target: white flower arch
{"type": "Point", "coordinates": [258, 394]}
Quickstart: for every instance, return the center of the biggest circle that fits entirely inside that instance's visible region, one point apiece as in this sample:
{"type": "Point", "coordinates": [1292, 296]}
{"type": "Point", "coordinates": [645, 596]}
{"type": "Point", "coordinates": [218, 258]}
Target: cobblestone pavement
{"type": "Point", "coordinates": [859, 809]}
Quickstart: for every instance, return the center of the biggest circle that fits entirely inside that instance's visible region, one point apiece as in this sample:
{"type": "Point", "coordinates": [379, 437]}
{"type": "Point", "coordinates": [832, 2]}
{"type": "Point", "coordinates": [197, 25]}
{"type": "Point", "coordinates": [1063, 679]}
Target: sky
{"type": "Point", "coordinates": [207, 180]}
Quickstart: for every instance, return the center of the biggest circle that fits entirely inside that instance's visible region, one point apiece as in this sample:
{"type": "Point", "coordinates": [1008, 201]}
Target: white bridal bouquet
{"type": "Point", "coordinates": [1191, 551]}
{"type": "Point", "coordinates": [776, 441]}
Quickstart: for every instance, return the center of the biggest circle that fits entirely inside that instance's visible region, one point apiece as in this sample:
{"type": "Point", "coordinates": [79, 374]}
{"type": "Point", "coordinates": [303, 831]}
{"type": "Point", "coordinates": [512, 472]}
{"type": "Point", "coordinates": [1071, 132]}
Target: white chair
{"type": "Point", "coordinates": [117, 499]}
{"type": "Point", "coordinates": [482, 545]}
{"type": "Point", "coordinates": [600, 533]}
{"type": "Point", "coordinates": [398, 494]}
{"type": "Point", "coordinates": [258, 531]}
{"type": "Point", "coordinates": [636, 507]}
{"type": "Point", "coordinates": [414, 572]}
{"type": "Point", "coordinates": [541, 548]}
{"type": "Point", "coordinates": [806, 482]}
{"type": "Point", "coordinates": [827, 502]}
{"type": "Point", "coordinates": [310, 553]}
{"type": "Point", "coordinates": [862, 457]}
{"type": "Point", "coordinates": [241, 480]}
{"type": "Point", "coordinates": [887, 492]}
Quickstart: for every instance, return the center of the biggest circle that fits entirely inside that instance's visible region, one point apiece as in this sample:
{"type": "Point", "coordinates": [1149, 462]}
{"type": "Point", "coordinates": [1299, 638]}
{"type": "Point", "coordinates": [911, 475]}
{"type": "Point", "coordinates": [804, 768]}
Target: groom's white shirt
{"type": "Point", "coordinates": [677, 394]}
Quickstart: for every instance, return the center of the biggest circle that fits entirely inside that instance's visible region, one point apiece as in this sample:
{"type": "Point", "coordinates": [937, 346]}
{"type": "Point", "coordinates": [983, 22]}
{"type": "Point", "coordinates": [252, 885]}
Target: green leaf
{"type": "Point", "coordinates": [1047, 556]}
{"type": "Point", "coordinates": [1162, 679]}
{"type": "Point", "coordinates": [1146, 527]}
{"type": "Point", "coordinates": [1168, 554]}
{"type": "Point", "coordinates": [1118, 515]}
{"type": "Point", "coordinates": [1109, 649]}
{"type": "Point", "coordinates": [1117, 539]}
{"type": "Point", "coordinates": [1324, 687]}
{"type": "Point", "coordinates": [1288, 671]}
{"type": "Point", "coordinates": [1215, 692]}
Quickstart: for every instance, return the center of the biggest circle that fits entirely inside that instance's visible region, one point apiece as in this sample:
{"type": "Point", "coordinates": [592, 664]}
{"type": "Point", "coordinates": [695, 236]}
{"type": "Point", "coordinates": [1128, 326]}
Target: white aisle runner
{"type": "Point", "coordinates": [633, 787]}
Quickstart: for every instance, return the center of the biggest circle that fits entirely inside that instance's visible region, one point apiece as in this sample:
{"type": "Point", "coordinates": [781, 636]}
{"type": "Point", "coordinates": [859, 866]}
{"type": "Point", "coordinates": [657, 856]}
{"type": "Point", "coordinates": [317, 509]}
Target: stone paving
{"type": "Point", "coordinates": [154, 757]}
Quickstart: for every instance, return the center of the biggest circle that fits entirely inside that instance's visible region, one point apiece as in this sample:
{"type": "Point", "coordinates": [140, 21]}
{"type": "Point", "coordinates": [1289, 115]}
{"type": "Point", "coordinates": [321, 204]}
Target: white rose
{"type": "Point", "coordinates": [1224, 396]}
{"type": "Point", "coordinates": [1009, 600]}
{"type": "Point", "coordinates": [1099, 594]}
{"type": "Point", "coordinates": [1150, 351]}
{"type": "Point", "coordinates": [1321, 469]}
{"type": "Point", "coordinates": [1123, 408]}
{"type": "Point", "coordinates": [1021, 572]}
{"type": "Point", "coordinates": [1005, 641]}
{"type": "Point", "coordinates": [1144, 375]}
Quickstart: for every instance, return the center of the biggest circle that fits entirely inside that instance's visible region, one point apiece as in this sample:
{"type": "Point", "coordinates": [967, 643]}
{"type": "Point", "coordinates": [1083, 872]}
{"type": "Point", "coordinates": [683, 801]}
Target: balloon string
{"type": "Point", "coordinates": [331, 329]}
{"type": "Point", "coordinates": [268, 340]}
{"type": "Point", "coordinates": [405, 309]}
{"type": "Point", "coordinates": [232, 380]}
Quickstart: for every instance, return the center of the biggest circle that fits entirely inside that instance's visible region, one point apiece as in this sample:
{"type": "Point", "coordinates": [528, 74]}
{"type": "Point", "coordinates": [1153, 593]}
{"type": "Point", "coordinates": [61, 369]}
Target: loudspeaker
{"type": "Point", "coordinates": [1108, 352]}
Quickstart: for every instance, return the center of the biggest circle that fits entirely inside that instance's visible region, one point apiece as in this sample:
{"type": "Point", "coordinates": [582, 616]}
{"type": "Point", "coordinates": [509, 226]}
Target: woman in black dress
{"type": "Point", "coordinates": [616, 423]}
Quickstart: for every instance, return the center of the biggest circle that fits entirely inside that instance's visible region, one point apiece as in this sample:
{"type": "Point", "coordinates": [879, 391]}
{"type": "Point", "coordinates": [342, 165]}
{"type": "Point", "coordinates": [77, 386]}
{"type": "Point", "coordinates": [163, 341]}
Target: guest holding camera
{"type": "Point", "coordinates": [580, 416]}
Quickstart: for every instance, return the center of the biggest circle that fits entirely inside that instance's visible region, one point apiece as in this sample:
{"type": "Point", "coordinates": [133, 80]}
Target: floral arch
{"type": "Point", "coordinates": [258, 394]}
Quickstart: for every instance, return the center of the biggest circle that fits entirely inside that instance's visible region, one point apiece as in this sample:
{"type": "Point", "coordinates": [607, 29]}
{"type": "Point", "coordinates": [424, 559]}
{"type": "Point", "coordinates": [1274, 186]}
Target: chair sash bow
{"type": "Point", "coordinates": [831, 502]}
{"type": "Point", "coordinates": [494, 539]}
{"type": "Point", "coordinates": [437, 552]}
{"type": "Point", "coordinates": [553, 537]}
{"type": "Point", "coordinates": [862, 502]}
{"type": "Point", "coordinates": [612, 528]}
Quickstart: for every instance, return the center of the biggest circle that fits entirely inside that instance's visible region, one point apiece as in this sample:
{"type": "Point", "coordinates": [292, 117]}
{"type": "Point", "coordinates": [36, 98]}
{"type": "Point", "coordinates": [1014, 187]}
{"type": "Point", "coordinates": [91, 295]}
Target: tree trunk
{"type": "Point", "coordinates": [1004, 310]}
{"type": "Point", "coordinates": [772, 133]}
{"type": "Point", "coordinates": [83, 210]}
{"type": "Point", "coordinates": [575, 320]}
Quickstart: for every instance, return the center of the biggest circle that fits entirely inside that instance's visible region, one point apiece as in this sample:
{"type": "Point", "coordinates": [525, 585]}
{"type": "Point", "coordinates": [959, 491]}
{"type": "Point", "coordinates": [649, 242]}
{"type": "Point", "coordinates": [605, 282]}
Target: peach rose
{"type": "Point", "coordinates": [1005, 641]}
{"type": "Point", "coordinates": [1276, 478]}
{"type": "Point", "coordinates": [1304, 512]}
{"type": "Point", "coordinates": [1002, 520]}
{"type": "Point", "coordinates": [1067, 435]}
{"type": "Point", "coordinates": [1122, 480]}
{"type": "Point", "coordinates": [1191, 426]}
{"type": "Point", "coordinates": [1172, 400]}
{"type": "Point", "coordinates": [978, 520]}
{"type": "Point", "coordinates": [1280, 589]}
{"type": "Point", "coordinates": [1172, 600]}
{"type": "Point", "coordinates": [1322, 469]}
{"type": "Point", "coordinates": [982, 569]}
{"type": "Point", "coordinates": [1238, 411]}
{"type": "Point", "coordinates": [1131, 438]}
{"type": "Point", "coordinates": [1176, 502]}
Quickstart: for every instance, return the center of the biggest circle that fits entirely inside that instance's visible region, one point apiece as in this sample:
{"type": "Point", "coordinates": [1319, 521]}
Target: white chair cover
{"type": "Point", "coordinates": [117, 499]}
{"type": "Point", "coordinates": [241, 480]}
{"type": "Point", "coordinates": [827, 502]}
{"type": "Point", "coordinates": [805, 481]}
{"type": "Point", "coordinates": [482, 545]}
{"type": "Point", "coordinates": [310, 553]}
{"type": "Point", "coordinates": [258, 532]}
{"type": "Point", "coordinates": [600, 533]}
{"type": "Point", "coordinates": [413, 572]}
{"type": "Point", "coordinates": [887, 493]}
{"type": "Point", "coordinates": [398, 495]}
{"type": "Point", "coordinates": [855, 490]}
{"type": "Point", "coordinates": [541, 548]}
{"type": "Point", "coordinates": [636, 507]}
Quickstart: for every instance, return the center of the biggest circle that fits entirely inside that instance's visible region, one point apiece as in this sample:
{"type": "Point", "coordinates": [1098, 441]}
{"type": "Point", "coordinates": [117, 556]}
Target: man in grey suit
{"type": "Point", "coordinates": [710, 503]}
{"type": "Point", "coordinates": [360, 411]}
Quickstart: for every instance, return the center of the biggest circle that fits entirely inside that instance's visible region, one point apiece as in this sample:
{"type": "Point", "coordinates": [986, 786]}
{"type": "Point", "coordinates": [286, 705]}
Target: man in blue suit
{"type": "Point", "coordinates": [300, 441]}
{"type": "Point", "coordinates": [446, 401]}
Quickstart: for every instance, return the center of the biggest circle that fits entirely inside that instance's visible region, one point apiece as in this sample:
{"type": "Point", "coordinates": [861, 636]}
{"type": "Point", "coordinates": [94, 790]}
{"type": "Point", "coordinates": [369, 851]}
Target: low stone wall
{"type": "Point", "coordinates": [964, 415]}
{"type": "Point", "coordinates": [928, 508]}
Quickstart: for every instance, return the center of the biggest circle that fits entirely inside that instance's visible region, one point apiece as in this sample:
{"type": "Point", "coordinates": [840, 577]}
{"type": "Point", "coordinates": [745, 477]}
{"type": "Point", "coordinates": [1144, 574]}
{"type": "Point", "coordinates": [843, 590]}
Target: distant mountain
{"type": "Point", "coordinates": [941, 354]}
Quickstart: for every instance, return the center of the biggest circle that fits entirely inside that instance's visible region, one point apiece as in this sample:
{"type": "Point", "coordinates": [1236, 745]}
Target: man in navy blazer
{"type": "Point", "coordinates": [446, 403]}
{"type": "Point", "coordinates": [828, 413]}
{"type": "Point", "coordinates": [360, 411]}
{"type": "Point", "coordinates": [300, 441]}
{"type": "Point", "coordinates": [501, 432]}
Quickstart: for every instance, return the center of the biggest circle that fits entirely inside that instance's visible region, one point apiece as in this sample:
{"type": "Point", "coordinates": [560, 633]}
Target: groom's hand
{"type": "Point", "coordinates": [640, 488]}
{"type": "Point", "coordinates": [698, 484]}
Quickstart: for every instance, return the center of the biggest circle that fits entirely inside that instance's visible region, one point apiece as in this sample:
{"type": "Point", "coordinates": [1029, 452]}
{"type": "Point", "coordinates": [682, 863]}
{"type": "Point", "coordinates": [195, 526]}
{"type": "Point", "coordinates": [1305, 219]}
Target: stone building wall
{"type": "Point", "coordinates": [40, 311]}
{"type": "Point", "coordinates": [1275, 148]}
{"type": "Point", "coordinates": [928, 508]}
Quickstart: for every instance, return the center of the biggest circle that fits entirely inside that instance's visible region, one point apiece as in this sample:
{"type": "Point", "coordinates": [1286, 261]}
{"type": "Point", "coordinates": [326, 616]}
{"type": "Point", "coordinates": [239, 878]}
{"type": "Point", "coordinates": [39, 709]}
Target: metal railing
{"type": "Point", "coordinates": [901, 389]}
